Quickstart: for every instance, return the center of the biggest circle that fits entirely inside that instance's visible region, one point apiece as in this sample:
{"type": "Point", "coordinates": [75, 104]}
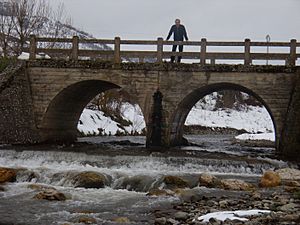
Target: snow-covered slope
{"type": "Point", "coordinates": [263, 136]}
{"type": "Point", "coordinates": [254, 120]}
{"type": "Point", "coordinates": [94, 122]}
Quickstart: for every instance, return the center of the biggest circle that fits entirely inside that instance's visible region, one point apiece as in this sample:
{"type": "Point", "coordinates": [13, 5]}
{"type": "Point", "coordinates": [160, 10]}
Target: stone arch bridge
{"type": "Point", "coordinates": [45, 99]}
{"type": "Point", "coordinates": [42, 100]}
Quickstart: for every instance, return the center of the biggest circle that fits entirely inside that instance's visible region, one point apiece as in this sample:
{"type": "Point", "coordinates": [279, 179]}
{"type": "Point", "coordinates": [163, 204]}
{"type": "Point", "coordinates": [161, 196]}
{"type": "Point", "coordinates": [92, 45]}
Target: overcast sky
{"type": "Point", "coordinates": [213, 19]}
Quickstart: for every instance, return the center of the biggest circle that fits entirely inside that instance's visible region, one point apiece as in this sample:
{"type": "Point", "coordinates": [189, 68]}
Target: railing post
{"type": "Point", "coordinates": [203, 51]}
{"type": "Point", "coordinates": [293, 56]}
{"type": "Point", "coordinates": [247, 59]}
{"type": "Point", "coordinates": [75, 48]}
{"type": "Point", "coordinates": [32, 48]}
{"type": "Point", "coordinates": [159, 49]}
{"type": "Point", "coordinates": [117, 52]}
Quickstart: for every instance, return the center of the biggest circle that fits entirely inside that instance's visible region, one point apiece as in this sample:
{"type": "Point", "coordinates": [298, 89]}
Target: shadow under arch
{"type": "Point", "coordinates": [61, 118]}
{"type": "Point", "coordinates": [185, 106]}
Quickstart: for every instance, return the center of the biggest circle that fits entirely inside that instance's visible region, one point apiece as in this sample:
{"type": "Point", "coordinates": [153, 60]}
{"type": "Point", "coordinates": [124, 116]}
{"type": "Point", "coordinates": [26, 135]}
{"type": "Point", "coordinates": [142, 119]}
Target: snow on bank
{"type": "Point", "coordinates": [264, 136]}
{"type": "Point", "coordinates": [25, 56]}
{"type": "Point", "coordinates": [94, 122]}
{"type": "Point", "coordinates": [253, 119]}
{"type": "Point", "coordinates": [232, 215]}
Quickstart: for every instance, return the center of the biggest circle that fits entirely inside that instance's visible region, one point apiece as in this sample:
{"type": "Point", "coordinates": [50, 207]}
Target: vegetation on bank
{"type": "Point", "coordinates": [4, 62]}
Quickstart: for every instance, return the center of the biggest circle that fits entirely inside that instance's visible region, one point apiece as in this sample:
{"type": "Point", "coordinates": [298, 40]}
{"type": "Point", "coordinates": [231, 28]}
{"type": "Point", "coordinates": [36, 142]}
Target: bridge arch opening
{"type": "Point", "coordinates": [63, 118]}
{"type": "Point", "coordinates": [187, 106]}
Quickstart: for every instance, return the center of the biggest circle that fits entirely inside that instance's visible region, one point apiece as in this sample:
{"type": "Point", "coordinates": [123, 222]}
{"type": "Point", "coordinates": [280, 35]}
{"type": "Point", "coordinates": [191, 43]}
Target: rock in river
{"type": "Point", "coordinates": [90, 180]}
{"type": "Point", "coordinates": [159, 192]}
{"type": "Point", "coordinates": [51, 195]}
{"type": "Point", "coordinates": [173, 182]}
{"type": "Point", "coordinates": [7, 175]}
{"type": "Point", "coordinates": [40, 187]}
{"type": "Point", "coordinates": [140, 183]}
{"type": "Point", "coordinates": [209, 181]}
{"type": "Point", "coordinates": [270, 179]}
{"type": "Point", "coordinates": [236, 185]}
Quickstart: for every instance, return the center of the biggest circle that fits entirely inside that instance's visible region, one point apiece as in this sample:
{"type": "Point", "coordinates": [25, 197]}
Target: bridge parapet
{"type": "Point", "coordinates": [75, 48]}
{"type": "Point", "coordinates": [175, 67]}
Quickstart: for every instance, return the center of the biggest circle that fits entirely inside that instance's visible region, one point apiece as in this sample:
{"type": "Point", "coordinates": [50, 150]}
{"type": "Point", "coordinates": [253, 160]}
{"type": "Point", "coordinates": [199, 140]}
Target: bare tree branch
{"type": "Point", "coordinates": [28, 17]}
{"type": "Point", "coordinates": [6, 28]}
{"type": "Point", "coordinates": [22, 18]}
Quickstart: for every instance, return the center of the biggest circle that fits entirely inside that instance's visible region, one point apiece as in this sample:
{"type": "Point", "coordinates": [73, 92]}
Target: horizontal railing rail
{"type": "Point", "coordinates": [72, 48]}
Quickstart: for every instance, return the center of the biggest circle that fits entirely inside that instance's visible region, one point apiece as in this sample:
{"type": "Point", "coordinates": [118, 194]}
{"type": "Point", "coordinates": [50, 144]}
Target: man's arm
{"type": "Point", "coordinates": [170, 33]}
{"type": "Point", "coordinates": [185, 34]}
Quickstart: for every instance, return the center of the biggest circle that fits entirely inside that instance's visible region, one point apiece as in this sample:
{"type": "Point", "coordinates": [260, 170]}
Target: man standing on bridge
{"type": "Point", "coordinates": [179, 34]}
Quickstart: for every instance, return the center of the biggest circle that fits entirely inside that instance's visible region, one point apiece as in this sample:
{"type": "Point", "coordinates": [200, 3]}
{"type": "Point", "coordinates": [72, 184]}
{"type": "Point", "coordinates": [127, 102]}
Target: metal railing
{"type": "Point", "coordinates": [74, 52]}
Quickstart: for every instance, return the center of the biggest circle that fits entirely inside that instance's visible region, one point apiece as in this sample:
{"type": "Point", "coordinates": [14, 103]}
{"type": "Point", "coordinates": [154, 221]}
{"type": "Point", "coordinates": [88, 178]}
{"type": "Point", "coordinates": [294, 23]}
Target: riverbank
{"type": "Point", "coordinates": [278, 205]}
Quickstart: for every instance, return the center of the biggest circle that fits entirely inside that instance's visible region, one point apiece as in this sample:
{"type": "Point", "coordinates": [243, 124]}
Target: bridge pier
{"type": "Point", "coordinates": [154, 134]}
{"type": "Point", "coordinates": [289, 145]}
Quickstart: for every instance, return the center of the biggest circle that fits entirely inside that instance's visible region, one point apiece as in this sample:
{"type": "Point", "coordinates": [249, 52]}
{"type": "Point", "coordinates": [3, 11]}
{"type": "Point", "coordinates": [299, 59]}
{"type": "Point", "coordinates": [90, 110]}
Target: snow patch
{"type": "Point", "coordinates": [264, 136]}
{"type": "Point", "coordinates": [94, 122]}
{"type": "Point", "coordinates": [232, 215]}
{"type": "Point", "coordinates": [253, 119]}
{"type": "Point", "coordinates": [25, 56]}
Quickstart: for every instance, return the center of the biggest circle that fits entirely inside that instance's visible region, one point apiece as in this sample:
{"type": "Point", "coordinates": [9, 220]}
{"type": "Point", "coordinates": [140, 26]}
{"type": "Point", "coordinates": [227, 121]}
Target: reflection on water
{"type": "Point", "coordinates": [102, 139]}
{"type": "Point", "coordinates": [208, 143]}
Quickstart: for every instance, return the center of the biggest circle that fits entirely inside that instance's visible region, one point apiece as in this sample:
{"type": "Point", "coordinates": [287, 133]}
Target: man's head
{"type": "Point", "coordinates": [177, 22]}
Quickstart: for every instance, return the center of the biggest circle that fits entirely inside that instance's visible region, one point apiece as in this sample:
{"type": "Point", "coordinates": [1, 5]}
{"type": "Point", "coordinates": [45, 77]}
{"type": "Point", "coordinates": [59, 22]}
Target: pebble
{"type": "Point", "coordinates": [172, 221]}
{"type": "Point", "coordinates": [87, 220]}
{"type": "Point", "coordinates": [181, 216]}
{"type": "Point", "coordinates": [214, 221]}
{"type": "Point", "coordinates": [256, 196]}
{"type": "Point", "coordinates": [288, 207]}
{"type": "Point", "coordinates": [223, 204]}
{"type": "Point", "coordinates": [160, 221]}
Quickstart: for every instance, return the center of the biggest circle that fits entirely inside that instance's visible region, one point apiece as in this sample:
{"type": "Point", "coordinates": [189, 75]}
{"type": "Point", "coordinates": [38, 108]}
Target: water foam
{"type": "Point", "coordinates": [48, 162]}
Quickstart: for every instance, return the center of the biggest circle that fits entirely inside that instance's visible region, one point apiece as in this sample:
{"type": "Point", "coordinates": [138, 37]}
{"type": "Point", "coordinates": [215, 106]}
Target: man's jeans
{"type": "Point", "coordinates": [174, 50]}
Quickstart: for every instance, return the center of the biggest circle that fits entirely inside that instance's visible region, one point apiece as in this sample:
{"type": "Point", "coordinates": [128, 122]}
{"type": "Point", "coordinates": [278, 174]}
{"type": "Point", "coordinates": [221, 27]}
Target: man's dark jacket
{"type": "Point", "coordinates": [179, 33]}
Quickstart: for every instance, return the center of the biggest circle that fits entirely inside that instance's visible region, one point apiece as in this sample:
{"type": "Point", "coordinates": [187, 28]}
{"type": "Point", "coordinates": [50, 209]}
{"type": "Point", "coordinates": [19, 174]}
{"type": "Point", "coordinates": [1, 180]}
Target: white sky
{"type": "Point", "coordinates": [213, 19]}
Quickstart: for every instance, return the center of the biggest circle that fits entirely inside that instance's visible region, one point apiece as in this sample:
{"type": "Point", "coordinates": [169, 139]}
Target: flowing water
{"type": "Point", "coordinates": [132, 171]}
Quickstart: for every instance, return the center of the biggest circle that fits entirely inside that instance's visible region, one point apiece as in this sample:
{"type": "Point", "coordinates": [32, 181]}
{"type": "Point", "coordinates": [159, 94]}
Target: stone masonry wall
{"type": "Point", "coordinates": [27, 92]}
{"type": "Point", "coordinates": [176, 82]}
{"type": "Point", "coordinates": [290, 144]}
{"type": "Point", "coordinates": [16, 116]}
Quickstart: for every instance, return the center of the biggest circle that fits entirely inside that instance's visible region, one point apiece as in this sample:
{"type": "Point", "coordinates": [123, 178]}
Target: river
{"type": "Point", "coordinates": [120, 160]}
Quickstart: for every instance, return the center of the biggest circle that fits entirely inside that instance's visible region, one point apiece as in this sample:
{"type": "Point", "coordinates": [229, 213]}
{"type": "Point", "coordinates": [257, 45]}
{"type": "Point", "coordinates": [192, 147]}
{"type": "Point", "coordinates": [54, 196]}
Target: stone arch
{"type": "Point", "coordinates": [184, 107]}
{"type": "Point", "coordinates": [59, 122]}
